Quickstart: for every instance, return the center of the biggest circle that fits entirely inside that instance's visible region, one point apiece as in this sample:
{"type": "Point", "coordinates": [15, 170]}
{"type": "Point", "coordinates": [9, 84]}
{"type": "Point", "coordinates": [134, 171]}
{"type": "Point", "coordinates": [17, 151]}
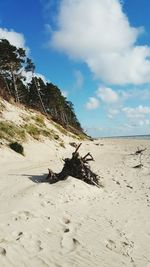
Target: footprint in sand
{"type": "Point", "coordinates": [2, 251]}
{"type": "Point", "coordinates": [23, 215]}
{"type": "Point", "coordinates": [111, 245]}
{"type": "Point", "coordinates": [39, 245]}
{"type": "Point", "coordinates": [124, 248]}
{"type": "Point", "coordinates": [68, 243]}
{"type": "Point", "coordinates": [28, 241]}
{"type": "Point", "coordinates": [20, 234]}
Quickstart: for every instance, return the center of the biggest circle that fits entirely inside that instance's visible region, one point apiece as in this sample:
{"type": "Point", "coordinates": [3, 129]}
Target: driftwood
{"type": "Point", "coordinates": [139, 152]}
{"type": "Point", "coordinates": [77, 167]}
{"type": "Point", "coordinates": [138, 166]}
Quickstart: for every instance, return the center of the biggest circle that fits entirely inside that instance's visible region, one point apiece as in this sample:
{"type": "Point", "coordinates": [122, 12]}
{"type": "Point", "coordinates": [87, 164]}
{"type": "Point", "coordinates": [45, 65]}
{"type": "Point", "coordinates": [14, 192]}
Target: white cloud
{"type": "Point", "coordinates": [79, 78]}
{"type": "Point", "coordinates": [137, 112]}
{"type": "Point", "coordinates": [15, 38]}
{"type": "Point", "coordinates": [143, 110]}
{"type": "Point", "coordinates": [39, 75]}
{"type": "Point", "coordinates": [136, 93]}
{"type": "Point", "coordinates": [98, 33]}
{"type": "Point", "coordinates": [107, 95]}
{"type": "Point", "coordinates": [112, 113]}
{"type": "Point", "coordinates": [144, 122]}
{"type": "Point", "coordinates": [64, 93]}
{"type": "Point", "coordinates": [94, 131]}
{"type": "Point", "coordinates": [28, 76]}
{"type": "Point", "coordinates": [93, 103]}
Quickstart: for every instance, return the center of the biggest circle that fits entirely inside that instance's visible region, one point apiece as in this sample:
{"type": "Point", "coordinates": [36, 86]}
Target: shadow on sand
{"type": "Point", "coordinates": [36, 178]}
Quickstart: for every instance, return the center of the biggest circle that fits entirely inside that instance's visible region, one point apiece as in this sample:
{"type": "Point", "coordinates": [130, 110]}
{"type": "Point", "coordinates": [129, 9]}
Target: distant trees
{"type": "Point", "coordinates": [45, 97]}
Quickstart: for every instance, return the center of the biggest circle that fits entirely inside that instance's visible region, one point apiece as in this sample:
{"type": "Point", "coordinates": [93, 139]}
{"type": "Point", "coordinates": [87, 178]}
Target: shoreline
{"type": "Point", "coordinates": [130, 137]}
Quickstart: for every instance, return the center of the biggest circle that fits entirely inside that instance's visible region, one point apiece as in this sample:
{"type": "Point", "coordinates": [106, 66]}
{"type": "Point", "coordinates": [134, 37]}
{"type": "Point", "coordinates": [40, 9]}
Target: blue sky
{"type": "Point", "coordinates": [97, 52]}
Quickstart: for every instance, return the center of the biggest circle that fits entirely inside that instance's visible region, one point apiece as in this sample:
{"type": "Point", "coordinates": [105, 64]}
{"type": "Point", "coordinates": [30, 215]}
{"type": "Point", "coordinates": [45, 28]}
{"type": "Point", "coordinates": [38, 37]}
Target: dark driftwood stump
{"type": "Point", "coordinates": [77, 167]}
{"type": "Point", "coordinates": [139, 153]}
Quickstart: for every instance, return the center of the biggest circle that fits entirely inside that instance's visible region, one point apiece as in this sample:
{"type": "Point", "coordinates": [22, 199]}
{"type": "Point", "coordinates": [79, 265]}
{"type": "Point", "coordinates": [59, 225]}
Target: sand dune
{"type": "Point", "coordinates": [71, 223]}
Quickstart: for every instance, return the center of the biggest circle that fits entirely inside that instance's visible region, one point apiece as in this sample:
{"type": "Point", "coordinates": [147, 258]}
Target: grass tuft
{"type": "Point", "coordinates": [9, 131]}
{"type": "Point", "coordinates": [62, 144]}
{"type": "Point", "coordinates": [17, 147]}
{"type": "Point", "coordinates": [32, 130]}
{"type": "Point", "coordinates": [39, 120]}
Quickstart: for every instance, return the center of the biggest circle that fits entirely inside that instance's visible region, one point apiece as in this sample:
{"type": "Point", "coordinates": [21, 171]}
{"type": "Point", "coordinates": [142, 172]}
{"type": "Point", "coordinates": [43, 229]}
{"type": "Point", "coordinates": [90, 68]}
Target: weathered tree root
{"type": "Point", "coordinates": [76, 167]}
{"type": "Point", "coordinates": [139, 153]}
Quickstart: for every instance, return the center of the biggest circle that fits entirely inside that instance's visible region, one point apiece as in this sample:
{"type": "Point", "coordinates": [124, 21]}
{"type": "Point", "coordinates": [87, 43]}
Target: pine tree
{"type": "Point", "coordinates": [11, 64]}
{"type": "Point", "coordinates": [31, 67]}
{"type": "Point", "coordinates": [44, 97]}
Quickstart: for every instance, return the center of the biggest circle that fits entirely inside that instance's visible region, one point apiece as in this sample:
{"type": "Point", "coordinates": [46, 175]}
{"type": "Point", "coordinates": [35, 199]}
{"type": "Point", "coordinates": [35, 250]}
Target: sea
{"type": "Point", "coordinates": [137, 137]}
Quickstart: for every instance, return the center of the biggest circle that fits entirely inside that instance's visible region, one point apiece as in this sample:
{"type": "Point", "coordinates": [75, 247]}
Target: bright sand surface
{"type": "Point", "coordinates": [71, 223]}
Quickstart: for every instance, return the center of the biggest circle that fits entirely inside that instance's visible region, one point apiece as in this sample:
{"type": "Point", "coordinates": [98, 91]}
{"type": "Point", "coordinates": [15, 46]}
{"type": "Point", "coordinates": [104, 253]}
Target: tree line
{"type": "Point", "coordinates": [47, 98]}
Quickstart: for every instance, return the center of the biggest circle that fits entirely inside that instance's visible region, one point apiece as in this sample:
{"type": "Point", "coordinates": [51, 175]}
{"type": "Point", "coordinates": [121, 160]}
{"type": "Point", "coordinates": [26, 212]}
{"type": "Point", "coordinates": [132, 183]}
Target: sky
{"type": "Point", "coordinates": [96, 51]}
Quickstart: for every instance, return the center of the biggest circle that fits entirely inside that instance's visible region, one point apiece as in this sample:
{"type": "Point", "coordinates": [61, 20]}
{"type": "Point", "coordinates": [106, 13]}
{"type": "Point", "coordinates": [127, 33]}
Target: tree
{"type": "Point", "coordinates": [11, 64]}
{"type": "Point", "coordinates": [31, 67]}
{"type": "Point", "coordinates": [44, 97]}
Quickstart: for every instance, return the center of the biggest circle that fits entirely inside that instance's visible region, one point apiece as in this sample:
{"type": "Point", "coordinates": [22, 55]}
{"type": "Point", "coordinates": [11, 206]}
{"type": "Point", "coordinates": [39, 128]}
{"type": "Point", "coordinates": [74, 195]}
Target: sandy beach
{"type": "Point", "coordinates": [71, 223]}
{"type": "Point", "coordinates": [75, 133]}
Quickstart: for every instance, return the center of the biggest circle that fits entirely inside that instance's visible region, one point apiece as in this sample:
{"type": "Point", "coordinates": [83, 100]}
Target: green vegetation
{"type": "Point", "coordinates": [39, 119]}
{"type": "Point", "coordinates": [61, 129]}
{"type": "Point", "coordinates": [36, 131]}
{"type": "Point", "coordinates": [47, 133]}
{"type": "Point", "coordinates": [77, 133]}
{"type": "Point", "coordinates": [32, 130]}
{"type": "Point", "coordinates": [46, 98]}
{"type": "Point", "coordinates": [2, 106]}
{"type": "Point", "coordinates": [10, 132]}
{"type": "Point", "coordinates": [71, 131]}
{"type": "Point", "coordinates": [17, 147]}
{"type": "Point", "coordinates": [62, 144]}
{"type": "Point", "coordinates": [56, 136]}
